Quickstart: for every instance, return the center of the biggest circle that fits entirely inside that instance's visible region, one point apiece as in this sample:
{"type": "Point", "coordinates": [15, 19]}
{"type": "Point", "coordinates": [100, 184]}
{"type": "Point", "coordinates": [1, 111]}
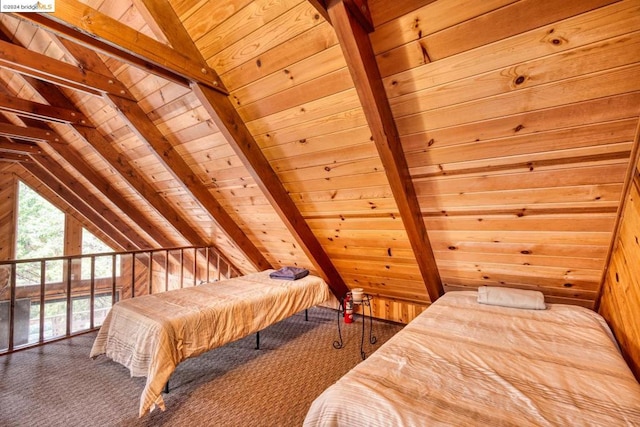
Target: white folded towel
{"type": "Point", "coordinates": [509, 297]}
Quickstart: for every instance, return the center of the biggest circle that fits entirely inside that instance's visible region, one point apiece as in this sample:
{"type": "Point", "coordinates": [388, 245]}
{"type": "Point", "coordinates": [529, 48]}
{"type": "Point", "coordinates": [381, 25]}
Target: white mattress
{"type": "Point", "coordinates": [461, 363]}
{"type": "Point", "coordinates": [152, 334]}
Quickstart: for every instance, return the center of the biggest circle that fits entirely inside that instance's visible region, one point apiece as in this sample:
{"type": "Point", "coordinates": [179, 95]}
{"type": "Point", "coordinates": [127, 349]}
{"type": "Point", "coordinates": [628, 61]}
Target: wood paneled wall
{"type": "Point", "coordinates": [517, 133]}
{"type": "Point", "coordinates": [8, 184]}
{"type": "Point", "coordinates": [620, 303]}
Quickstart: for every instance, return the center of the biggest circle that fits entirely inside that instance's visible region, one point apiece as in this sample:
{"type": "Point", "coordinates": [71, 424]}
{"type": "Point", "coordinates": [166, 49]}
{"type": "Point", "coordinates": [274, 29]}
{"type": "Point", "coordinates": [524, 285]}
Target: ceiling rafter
{"type": "Point", "coordinates": [349, 19]}
{"type": "Point", "coordinates": [142, 125]}
{"type": "Point", "coordinates": [84, 24]}
{"type": "Point", "coordinates": [147, 131]}
{"type": "Point", "coordinates": [122, 165]}
{"type": "Point", "coordinates": [14, 157]}
{"type": "Point", "coordinates": [43, 67]}
{"type": "Point", "coordinates": [40, 111]}
{"type": "Point", "coordinates": [224, 114]}
{"type": "Point", "coordinates": [54, 96]}
{"type": "Point", "coordinates": [12, 146]}
{"type": "Point", "coordinates": [29, 134]}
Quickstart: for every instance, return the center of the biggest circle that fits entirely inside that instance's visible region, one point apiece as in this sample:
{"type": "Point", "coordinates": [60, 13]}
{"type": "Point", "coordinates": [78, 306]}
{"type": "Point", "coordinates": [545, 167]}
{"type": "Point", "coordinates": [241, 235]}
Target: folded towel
{"type": "Point", "coordinates": [289, 273]}
{"type": "Point", "coordinates": [508, 297]}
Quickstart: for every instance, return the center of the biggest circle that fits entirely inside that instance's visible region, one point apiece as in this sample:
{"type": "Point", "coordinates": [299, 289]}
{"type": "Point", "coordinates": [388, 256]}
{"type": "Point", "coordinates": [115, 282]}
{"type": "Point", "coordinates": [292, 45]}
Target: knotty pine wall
{"type": "Point", "coordinates": [620, 303]}
{"type": "Point", "coordinates": [8, 186]}
{"type": "Point", "coordinates": [517, 131]}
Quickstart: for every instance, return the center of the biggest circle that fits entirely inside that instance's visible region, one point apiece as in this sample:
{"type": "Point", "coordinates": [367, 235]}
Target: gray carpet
{"type": "Point", "coordinates": [235, 385]}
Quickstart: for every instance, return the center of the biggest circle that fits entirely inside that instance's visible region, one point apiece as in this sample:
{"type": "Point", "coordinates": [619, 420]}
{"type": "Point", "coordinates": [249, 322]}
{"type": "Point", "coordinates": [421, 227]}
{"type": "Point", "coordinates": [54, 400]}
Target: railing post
{"type": "Point", "coordinates": [12, 305]}
{"type": "Point", "coordinates": [43, 278]}
{"type": "Point", "coordinates": [150, 272]}
{"type": "Point", "coordinates": [218, 264]}
{"type": "Point", "coordinates": [207, 253]}
{"type": "Point", "coordinates": [166, 270]}
{"type": "Point", "coordinates": [113, 279]}
{"type": "Point", "coordinates": [181, 268]}
{"type": "Point", "coordinates": [195, 266]}
{"type": "Point", "coordinates": [92, 292]}
{"type": "Point", "coordinates": [133, 275]}
{"type": "Point", "coordinates": [69, 310]}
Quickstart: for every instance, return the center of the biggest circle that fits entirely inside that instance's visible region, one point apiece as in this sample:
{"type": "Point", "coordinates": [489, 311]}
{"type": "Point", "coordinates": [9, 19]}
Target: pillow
{"type": "Point", "coordinates": [508, 297]}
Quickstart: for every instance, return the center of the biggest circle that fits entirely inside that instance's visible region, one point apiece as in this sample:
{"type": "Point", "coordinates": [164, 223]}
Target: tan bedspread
{"type": "Point", "coordinates": [461, 363]}
{"type": "Point", "coordinates": [152, 334]}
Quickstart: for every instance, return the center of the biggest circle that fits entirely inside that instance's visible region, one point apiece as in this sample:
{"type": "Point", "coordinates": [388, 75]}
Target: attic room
{"type": "Point", "coordinates": [457, 183]}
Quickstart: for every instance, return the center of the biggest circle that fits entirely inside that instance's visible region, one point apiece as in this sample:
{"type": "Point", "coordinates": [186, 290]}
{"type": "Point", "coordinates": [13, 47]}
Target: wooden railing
{"type": "Point", "coordinates": [44, 300]}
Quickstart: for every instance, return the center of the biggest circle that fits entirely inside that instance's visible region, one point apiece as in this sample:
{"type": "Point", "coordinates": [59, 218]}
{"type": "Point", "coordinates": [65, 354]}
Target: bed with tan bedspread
{"type": "Point", "coordinates": [462, 363]}
{"type": "Point", "coordinates": [152, 334]}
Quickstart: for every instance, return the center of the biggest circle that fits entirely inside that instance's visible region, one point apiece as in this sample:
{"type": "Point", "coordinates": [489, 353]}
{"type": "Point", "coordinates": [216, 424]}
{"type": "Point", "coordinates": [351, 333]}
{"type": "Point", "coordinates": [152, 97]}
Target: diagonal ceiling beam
{"type": "Point", "coordinates": [14, 157]}
{"type": "Point", "coordinates": [29, 134]}
{"type": "Point", "coordinates": [72, 157]}
{"type": "Point", "coordinates": [43, 67]}
{"type": "Point", "coordinates": [347, 18]}
{"type": "Point", "coordinates": [146, 130]}
{"type": "Point", "coordinates": [95, 30]}
{"type": "Point", "coordinates": [224, 114]}
{"type": "Point", "coordinates": [246, 148]}
{"type": "Point", "coordinates": [39, 111]}
{"type": "Point", "coordinates": [12, 146]}
{"type": "Point", "coordinates": [57, 99]}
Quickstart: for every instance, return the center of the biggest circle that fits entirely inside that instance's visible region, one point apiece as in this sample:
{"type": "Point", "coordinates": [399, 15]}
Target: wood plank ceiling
{"type": "Point", "coordinates": [406, 147]}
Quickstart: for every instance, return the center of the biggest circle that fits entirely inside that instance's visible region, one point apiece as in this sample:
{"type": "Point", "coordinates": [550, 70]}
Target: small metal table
{"type": "Point", "coordinates": [366, 302]}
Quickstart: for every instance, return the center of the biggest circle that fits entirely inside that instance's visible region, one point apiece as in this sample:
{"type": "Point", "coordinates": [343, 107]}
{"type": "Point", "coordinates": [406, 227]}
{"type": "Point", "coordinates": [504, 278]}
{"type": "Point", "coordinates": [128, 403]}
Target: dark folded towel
{"type": "Point", "coordinates": [289, 273]}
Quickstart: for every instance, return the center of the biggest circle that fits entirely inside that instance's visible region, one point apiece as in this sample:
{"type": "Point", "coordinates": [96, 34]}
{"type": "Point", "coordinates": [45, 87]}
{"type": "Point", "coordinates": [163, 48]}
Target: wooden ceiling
{"type": "Point", "coordinates": [406, 147]}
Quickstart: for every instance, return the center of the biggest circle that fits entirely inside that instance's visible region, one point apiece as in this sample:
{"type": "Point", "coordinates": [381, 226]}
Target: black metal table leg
{"type": "Point", "coordinates": [366, 302]}
{"type": "Point", "coordinates": [339, 344]}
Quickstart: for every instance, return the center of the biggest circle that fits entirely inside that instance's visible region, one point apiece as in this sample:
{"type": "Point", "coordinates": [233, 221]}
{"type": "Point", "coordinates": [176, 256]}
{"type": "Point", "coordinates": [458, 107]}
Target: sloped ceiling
{"type": "Point", "coordinates": [457, 143]}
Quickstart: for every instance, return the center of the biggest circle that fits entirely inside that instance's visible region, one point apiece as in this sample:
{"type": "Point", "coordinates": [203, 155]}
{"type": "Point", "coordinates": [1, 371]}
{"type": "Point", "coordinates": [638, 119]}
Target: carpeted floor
{"type": "Point", "coordinates": [235, 385]}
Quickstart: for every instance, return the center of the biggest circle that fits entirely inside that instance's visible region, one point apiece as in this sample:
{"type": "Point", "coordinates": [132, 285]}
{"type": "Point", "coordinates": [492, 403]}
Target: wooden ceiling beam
{"type": "Point", "coordinates": [246, 148]}
{"type": "Point", "coordinates": [143, 126]}
{"type": "Point", "coordinates": [77, 203]}
{"type": "Point", "coordinates": [108, 190]}
{"type": "Point", "coordinates": [38, 111]}
{"type": "Point", "coordinates": [128, 172]}
{"type": "Point", "coordinates": [224, 114]}
{"type": "Point", "coordinates": [54, 96]}
{"type": "Point", "coordinates": [87, 26]}
{"type": "Point", "coordinates": [71, 182]}
{"type": "Point", "coordinates": [165, 19]}
{"type": "Point", "coordinates": [29, 134]}
{"type": "Point", "coordinates": [12, 146]}
{"type": "Point", "coordinates": [348, 18]}
{"type": "Point", "coordinates": [6, 156]}
{"type": "Point", "coordinates": [43, 67]}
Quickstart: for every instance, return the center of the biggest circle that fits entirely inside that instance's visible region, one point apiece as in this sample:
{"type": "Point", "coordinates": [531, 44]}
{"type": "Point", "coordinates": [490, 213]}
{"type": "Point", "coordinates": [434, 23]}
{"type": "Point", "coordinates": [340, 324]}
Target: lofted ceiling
{"type": "Point", "coordinates": [406, 147]}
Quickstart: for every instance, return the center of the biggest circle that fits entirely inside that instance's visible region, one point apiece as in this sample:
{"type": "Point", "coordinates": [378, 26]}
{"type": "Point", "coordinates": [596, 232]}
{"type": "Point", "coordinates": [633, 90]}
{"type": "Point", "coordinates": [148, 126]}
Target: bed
{"type": "Point", "coordinates": [152, 334]}
{"type": "Point", "coordinates": [465, 363]}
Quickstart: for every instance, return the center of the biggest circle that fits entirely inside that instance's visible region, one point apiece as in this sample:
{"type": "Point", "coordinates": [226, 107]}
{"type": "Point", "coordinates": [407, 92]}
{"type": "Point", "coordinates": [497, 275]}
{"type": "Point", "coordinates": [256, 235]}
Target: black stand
{"type": "Point", "coordinates": [366, 302]}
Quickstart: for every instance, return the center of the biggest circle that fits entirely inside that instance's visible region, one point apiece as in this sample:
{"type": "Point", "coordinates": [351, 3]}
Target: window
{"type": "Point", "coordinates": [103, 264]}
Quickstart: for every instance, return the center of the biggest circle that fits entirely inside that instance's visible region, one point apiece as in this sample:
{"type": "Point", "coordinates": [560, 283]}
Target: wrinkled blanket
{"type": "Point", "coordinates": [152, 334]}
{"type": "Point", "coordinates": [461, 363]}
